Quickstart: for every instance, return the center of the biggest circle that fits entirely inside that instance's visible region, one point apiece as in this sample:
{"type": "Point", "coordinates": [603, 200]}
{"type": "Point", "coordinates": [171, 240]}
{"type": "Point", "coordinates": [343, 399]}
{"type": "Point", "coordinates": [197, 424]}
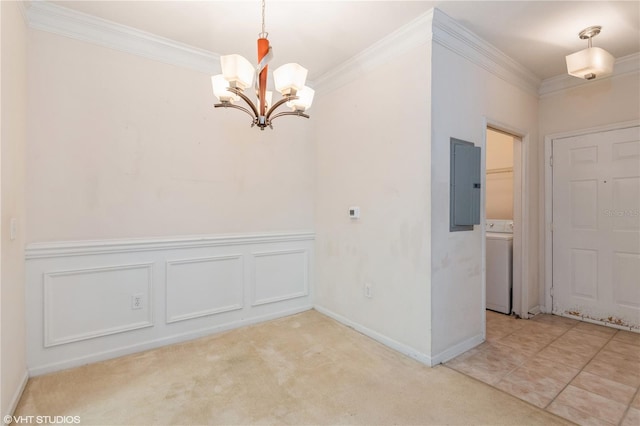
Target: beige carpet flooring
{"type": "Point", "coordinates": [299, 370]}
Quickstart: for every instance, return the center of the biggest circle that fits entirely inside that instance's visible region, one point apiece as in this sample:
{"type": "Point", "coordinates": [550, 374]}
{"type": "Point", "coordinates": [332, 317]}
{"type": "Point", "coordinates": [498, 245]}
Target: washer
{"type": "Point", "coordinates": [499, 278]}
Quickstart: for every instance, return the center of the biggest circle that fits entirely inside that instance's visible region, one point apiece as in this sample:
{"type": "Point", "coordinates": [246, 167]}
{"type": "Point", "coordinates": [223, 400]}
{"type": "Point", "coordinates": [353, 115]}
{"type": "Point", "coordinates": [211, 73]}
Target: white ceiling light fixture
{"type": "Point", "coordinates": [238, 74]}
{"type": "Point", "coordinates": [591, 62]}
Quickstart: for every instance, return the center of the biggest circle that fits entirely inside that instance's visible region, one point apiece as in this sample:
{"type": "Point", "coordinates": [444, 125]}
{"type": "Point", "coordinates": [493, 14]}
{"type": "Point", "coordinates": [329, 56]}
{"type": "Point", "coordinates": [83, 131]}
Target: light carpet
{"type": "Point", "coordinates": [299, 370]}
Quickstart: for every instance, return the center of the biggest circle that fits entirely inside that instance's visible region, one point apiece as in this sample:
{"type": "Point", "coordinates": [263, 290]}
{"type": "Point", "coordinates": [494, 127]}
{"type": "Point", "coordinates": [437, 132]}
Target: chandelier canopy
{"type": "Point", "coordinates": [238, 75]}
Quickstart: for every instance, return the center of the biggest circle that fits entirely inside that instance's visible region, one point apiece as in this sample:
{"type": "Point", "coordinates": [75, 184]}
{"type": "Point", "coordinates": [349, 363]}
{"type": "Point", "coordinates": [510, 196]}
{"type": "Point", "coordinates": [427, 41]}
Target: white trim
{"type": "Point", "coordinates": [156, 343]}
{"type": "Point", "coordinates": [458, 349]}
{"type": "Point", "coordinates": [60, 20]}
{"type": "Point", "coordinates": [93, 247]}
{"type": "Point", "coordinates": [23, 11]}
{"type": "Point", "coordinates": [387, 341]}
{"type": "Point", "coordinates": [303, 293]}
{"type": "Point", "coordinates": [434, 25]}
{"type": "Point", "coordinates": [452, 35]}
{"type": "Point", "coordinates": [598, 322]}
{"type": "Point", "coordinates": [49, 341]}
{"type": "Point", "coordinates": [17, 395]}
{"type": "Point", "coordinates": [413, 34]}
{"type": "Point", "coordinates": [536, 310]}
{"type": "Point", "coordinates": [548, 198]}
{"type": "Point", "coordinates": [626, 65]}
{"type": "Point", "coordinates": [206, 312]}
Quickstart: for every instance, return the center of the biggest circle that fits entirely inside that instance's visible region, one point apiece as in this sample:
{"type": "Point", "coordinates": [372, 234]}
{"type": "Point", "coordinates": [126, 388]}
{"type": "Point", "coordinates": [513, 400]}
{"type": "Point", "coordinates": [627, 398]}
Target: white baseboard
{"type": "Point", "coordinates": [536, 310]}
{"type": "Point", "coordinates": [79, 294]}
{"type": "Point", "coordinates": [387, 341]}
{"type": "Point", "coordinates": [185, 337]}
{"type": "Point", "coordinates": [458, 349]}
{"type": "Point", "coordinates": [16, 396]}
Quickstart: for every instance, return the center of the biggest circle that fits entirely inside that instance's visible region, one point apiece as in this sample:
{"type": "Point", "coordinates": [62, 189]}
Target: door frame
{"type": "Point", "coordinates": [548, 199]}
{"type": "Point", "coordinates": [521, 208]}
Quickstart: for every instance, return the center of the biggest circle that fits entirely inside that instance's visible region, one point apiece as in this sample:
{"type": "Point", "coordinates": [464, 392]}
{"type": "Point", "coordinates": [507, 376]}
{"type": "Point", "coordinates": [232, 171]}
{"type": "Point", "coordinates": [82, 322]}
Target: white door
{"type": "Point", "coordinates": [596, 226]}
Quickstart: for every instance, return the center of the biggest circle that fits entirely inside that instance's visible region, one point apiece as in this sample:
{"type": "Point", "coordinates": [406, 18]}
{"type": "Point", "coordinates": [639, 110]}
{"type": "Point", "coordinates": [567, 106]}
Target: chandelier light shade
{"type": "Point", "coordinates": [238, 75]}
{"type": "Point", "coordinates": [305, 98]}
{"type": "Point", "coordinates": [237, 70]}
{"type": "Point", "coordinates": [592, 62]}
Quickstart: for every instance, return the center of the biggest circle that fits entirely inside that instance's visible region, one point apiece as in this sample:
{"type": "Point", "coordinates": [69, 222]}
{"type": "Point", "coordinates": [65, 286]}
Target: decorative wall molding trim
{"type": "Point", "coordinates": [450, 34]}
{"type": "Point", "coordinates": [237, 285]}
{"type": "Point", "coordinates": [289, 287]}
{"type": "Point", "coordinates": [411, 35]}
{"type": "Point", "coordinates": [79, 295]}
{"type": "Point", "coordinates": [432, 25]}
{"type": "Point", "coordinates": [50, 333]}
{"type": "Point", "coordinates": [623, 66]}
{"type": "Point", "coordinates": [93, 247]}
{"type": "Point", "coordinates": [23, 11]}
{"type": "Point", "coordinates": [387, 341]}
{"type": "Point", "coordinates": [60, 20]}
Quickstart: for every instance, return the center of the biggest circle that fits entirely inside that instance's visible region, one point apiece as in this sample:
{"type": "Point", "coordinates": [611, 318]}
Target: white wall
{"type": "Point", "coordinates": [13, 87]}
{"type": "Point", "coordinates": [373, 152]}
{"type": "Point", "coordinates": [596, 103]}
{"type": "Point", "coordinates": [122, 146]}
{"type": "Point", "coordinates": [593, 104]}
{"type": "Point", "coordinates": [130, 152]}
{"type": "Point", "coordinates": [499, 182]}
{"type": "Point", "coordinates": [463, 96]}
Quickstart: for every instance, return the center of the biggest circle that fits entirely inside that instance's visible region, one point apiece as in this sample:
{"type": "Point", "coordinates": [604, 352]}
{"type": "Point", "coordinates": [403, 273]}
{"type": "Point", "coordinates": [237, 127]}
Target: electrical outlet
{"type": "Point", "coordinates": [367, 290]}
{"type": "Point", "coordinates": [137, 301]}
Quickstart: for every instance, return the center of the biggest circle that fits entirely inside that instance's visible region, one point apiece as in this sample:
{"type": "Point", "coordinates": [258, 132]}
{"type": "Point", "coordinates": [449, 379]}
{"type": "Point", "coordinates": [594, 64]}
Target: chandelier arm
{"type": "Point", "coordinates": [246, 99]}
{"type": "Point", "coordinates": [230, 105]}
{"type": "Point", "coordinates": [280, 102]}
{"type": "Point", "coordinates": [298, 113]}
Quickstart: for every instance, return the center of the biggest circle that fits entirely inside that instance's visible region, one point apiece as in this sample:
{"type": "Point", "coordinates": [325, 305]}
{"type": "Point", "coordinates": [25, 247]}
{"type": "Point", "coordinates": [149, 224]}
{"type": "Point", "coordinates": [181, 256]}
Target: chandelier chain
{"type": "Point", "coordinates": [263, 3]}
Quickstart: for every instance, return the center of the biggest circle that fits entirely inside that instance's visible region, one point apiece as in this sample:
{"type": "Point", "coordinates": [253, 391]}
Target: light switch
{"type": "Point", "coordinates": [354, 212]}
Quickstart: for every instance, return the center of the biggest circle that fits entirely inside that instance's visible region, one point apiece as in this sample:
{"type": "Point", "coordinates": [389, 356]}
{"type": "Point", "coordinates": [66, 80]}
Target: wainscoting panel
{"type": "Point", "coordinates": [87, 303]}
{"type": "Point", "coordinates": [279, 275]}
{"type": "Point", "coordinates": [200, 287]}
{"type": "Point", "coordinates": [93, 300]}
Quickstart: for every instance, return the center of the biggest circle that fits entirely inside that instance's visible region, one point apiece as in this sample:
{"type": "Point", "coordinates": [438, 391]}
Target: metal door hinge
{"type": "Point", "coordinates": [551, 161]}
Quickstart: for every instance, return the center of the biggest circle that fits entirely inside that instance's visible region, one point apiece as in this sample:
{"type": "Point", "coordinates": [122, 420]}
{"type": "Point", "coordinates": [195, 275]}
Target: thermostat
{"type": "Point", "coordinates": [354, 212]}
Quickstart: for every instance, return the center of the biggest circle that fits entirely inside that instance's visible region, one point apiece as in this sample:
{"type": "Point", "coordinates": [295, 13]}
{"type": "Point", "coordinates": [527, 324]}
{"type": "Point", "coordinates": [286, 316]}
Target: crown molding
{"type": "Point", "coordinates": [438, 27]}
{"type": "Point", "coordinates": [45, 16]}
{"type": "Point", "coordinates": [452, 35]}
{"type": "Point", "coordinates": [413, 34]}
{"type": "Point", "coordinates": [22, 7]}
{"type": "Point", "coordinates": [626, 65]}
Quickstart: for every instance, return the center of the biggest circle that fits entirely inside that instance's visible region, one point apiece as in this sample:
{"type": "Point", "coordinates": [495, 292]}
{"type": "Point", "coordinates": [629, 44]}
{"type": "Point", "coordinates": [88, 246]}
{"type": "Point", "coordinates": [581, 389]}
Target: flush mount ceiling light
{"type": "Point", "coordinates": [591, 62]}
{"type": "Point", "coordinates": [238, 74]}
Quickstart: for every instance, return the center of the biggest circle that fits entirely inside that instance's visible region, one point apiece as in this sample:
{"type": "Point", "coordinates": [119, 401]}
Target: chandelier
{"type": "Point", "coordinates": [238, 75]}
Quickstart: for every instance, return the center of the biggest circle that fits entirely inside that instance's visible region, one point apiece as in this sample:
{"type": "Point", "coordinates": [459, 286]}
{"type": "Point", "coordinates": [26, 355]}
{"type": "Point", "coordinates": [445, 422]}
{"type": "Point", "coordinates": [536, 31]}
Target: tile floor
{"type": "Point", "coordinates": [586, 373]}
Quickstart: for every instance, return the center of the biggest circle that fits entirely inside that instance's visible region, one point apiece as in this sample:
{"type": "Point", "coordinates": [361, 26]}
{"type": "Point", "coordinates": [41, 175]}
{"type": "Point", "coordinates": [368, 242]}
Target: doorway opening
{"type": "Point", "coordinates": [505, 222]}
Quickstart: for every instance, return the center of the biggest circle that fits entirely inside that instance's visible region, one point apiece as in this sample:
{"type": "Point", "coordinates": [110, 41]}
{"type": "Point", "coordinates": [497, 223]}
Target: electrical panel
{"type": "Point", "coordinates": [465, 190]}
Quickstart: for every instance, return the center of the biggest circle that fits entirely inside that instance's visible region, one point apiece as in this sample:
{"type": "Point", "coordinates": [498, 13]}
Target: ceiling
{"type": "Point", "coordinates": [322, 34]}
